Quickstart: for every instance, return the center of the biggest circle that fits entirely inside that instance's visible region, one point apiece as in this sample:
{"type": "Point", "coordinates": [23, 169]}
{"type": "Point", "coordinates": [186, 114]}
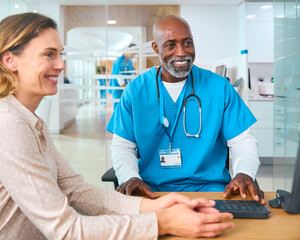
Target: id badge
{"type": "Point", "coordinates": [170, 158]}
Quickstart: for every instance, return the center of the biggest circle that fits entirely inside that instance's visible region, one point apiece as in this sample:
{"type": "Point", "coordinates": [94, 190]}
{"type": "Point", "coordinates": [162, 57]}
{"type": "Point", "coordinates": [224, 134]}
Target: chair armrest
{"type": "Point", "coordinates": [110, 176]}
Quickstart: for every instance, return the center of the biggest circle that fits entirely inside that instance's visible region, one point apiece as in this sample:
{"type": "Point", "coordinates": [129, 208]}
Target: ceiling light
{"type": "Point", "coordinates": [280, 16]}
{"type": "Point", "coordinates": [16, 6]}
{"type": "Point", "coordinates": [251, 16]}
{"type": "Point", "coordinates": [111, 21]}
{"type": "Point", "coordinates": [266, 7]}
{"type": "Point", "coordinates": [35, 11]}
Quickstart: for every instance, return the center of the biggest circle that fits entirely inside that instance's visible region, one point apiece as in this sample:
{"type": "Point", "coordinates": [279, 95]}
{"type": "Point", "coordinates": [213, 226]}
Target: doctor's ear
{"type": "Point", "coordinates": [9, 61]}
{"type": "Point", "coordinates": [155, 47]}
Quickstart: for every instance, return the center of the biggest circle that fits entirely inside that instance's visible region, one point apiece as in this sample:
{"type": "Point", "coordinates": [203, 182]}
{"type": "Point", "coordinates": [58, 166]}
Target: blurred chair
{"type": "Point", "coordinates": [110, 176]}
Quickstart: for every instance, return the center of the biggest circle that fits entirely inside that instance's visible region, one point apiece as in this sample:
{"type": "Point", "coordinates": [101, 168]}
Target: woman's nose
{"type": "Point", "coordinates": [59, 64]}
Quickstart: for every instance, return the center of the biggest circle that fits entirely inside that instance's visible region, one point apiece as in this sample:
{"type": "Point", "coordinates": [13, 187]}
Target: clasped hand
{"type": "Point", "coordinates": [182, 216]}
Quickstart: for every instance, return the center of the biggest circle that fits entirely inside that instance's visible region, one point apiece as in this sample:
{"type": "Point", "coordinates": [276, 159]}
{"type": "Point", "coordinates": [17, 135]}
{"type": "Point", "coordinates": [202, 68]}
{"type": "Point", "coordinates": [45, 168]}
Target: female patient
{"type": "Point", "coordinates": [40, 195]}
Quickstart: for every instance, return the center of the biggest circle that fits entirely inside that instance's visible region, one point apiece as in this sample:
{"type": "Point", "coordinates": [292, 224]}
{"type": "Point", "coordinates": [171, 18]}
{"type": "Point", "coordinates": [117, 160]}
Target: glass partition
{"type": "Point", "coordinates": [94, 35]}
{"type": "Point", "coordinates": [129, 32]}
{"type": "Point", "coordinates": [287, 91]}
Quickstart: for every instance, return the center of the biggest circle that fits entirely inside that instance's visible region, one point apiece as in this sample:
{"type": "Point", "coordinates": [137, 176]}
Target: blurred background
{"type": "Point", "coordinates": [256, 42]}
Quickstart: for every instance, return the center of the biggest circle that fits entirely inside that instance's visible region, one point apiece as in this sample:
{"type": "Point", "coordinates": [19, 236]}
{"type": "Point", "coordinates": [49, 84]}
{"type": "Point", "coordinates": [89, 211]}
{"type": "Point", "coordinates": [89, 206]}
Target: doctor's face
{"type": "Point", "coordinates": [175, 48]}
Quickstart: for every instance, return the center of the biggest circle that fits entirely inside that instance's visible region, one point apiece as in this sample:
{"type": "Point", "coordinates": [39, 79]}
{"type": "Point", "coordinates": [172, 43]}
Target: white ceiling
{"type": "Point", "coordinates": [93, 39]}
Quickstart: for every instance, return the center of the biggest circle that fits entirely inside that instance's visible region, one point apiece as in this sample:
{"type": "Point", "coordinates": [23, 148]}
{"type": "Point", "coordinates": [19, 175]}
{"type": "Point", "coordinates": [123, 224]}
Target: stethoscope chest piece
{"type": "Point", "coordinates": [166, 122]}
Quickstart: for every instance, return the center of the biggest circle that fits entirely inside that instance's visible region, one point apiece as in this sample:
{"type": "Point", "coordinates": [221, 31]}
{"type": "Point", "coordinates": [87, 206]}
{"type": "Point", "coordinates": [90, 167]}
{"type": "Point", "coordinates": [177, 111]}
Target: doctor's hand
{"type": "Point", "coordinates": [240, 184]}
{"type": "Point", "coordinates": [136, 185]}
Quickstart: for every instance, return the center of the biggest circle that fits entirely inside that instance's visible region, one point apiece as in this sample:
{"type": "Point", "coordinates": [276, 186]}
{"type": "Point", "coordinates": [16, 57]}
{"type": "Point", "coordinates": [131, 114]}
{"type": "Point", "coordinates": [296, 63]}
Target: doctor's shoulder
{"type": "Point", "coordinates": [117, 62]}
{"type": "Point", "coordinates": [208, 76]}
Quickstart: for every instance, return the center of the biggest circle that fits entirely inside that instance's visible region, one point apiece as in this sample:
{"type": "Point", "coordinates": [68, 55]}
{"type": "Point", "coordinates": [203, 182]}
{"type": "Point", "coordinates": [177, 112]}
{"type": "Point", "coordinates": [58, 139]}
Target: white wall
{"type": "Point", "coordinates": [215, 30]}
{"type": "Point", "coordinates": [259, 32]}
{"type": "Point", "coordinates": [7, 7]}
{"type": "Point", "coordinates": [55, 117]}
{"type": "Point", "coordinates": [4, 9]}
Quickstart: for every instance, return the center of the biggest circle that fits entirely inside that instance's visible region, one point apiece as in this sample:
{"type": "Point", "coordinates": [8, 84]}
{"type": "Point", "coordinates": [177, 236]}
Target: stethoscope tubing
{"type": "Point", "coordinates": [188, 98]}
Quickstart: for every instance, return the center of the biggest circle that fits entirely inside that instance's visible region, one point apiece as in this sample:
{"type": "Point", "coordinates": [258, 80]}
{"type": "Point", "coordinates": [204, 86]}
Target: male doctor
{"type": "Point", "coordinates": [120, 66]}
{"type": "Point", "coordinates": [173, 124]}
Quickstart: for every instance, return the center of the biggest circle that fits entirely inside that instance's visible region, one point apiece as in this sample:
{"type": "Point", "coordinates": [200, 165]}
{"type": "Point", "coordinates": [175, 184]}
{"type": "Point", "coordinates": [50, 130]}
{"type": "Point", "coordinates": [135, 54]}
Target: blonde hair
{"type": "Point", "coordinates": [15, 32]}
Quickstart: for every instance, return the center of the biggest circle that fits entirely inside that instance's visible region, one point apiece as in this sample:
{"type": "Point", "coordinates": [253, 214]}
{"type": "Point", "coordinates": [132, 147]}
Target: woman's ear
{"type": "Point", "coordinates": [9, 61]}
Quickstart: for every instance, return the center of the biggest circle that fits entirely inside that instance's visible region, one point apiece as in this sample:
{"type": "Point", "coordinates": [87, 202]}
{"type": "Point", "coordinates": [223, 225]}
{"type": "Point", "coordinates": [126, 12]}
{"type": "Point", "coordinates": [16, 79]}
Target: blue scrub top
{"type": "Point", "coordinates": [119, 65]}
{"type": "Point", "coordinates": [224, 116]}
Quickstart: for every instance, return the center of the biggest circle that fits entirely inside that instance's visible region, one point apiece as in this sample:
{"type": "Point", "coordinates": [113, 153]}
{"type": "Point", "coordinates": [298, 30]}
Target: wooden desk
{"type": "Point", "coordinates": [280, 225]}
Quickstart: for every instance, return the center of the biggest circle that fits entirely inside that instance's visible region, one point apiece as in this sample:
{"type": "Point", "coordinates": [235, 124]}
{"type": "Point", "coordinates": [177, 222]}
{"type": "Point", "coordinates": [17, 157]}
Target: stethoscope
{"type": "Point", "coordinates": [190, 97]}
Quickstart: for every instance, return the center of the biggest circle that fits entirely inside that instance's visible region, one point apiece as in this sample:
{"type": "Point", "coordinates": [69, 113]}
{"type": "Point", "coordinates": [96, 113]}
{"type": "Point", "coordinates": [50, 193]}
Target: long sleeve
{"type": "Point", "coordinates": [124, 158]}
{"type": "Point", "coordinates": [42, 198]}
{"type": "Point", "coordinates": [244, 154]}
{"type": "Point", "coordinates": [89, 200]}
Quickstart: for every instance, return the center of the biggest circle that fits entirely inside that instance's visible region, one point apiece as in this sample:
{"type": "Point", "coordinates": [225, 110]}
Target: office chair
{"type": "Point", "coordinates": [110, 176]}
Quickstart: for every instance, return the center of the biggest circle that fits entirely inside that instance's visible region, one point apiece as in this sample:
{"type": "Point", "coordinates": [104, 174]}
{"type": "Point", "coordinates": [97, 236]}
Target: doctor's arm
{"type": "Point", "coordinates": [245, 164]}
{"type": "Point", "coordinates": [121, 82]}
{"type": "Point", "coordinates": [116, 71]}
{"type": "Point", "coordinates": [125, 163]}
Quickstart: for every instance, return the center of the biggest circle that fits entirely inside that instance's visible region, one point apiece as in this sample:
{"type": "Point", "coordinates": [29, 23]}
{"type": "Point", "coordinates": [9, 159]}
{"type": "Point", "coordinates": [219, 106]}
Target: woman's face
{"type": "Point", "coordinates": [40, 64]}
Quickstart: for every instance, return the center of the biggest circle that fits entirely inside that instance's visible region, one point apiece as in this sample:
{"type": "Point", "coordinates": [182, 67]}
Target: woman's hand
{"type": "Point", "coordinates": [182, 216]}
{"type": "Point", "coordinates": [181, 220]}
{"type": "Point", "coordinates": [199, 204]}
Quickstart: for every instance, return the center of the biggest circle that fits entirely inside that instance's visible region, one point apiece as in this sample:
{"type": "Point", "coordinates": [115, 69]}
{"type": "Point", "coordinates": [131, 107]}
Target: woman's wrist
{"type": "Point", "coordinates": [147, 205]}
{"type": "Point", "coordinates": [162, 222]}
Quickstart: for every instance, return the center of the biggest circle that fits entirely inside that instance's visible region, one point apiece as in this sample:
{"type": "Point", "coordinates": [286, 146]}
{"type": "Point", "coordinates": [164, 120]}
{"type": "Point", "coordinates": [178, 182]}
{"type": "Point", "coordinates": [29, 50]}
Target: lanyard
{"type": "Point", "coordinates": [162, 110]}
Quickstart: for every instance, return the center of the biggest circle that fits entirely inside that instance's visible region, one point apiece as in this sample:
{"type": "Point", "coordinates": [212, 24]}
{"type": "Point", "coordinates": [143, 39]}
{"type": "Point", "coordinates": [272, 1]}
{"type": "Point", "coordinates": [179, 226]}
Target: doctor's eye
{"type": "Point", "coordinates": [188, 43]}
{"type": "Point", "coordinates": [170, 45]}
